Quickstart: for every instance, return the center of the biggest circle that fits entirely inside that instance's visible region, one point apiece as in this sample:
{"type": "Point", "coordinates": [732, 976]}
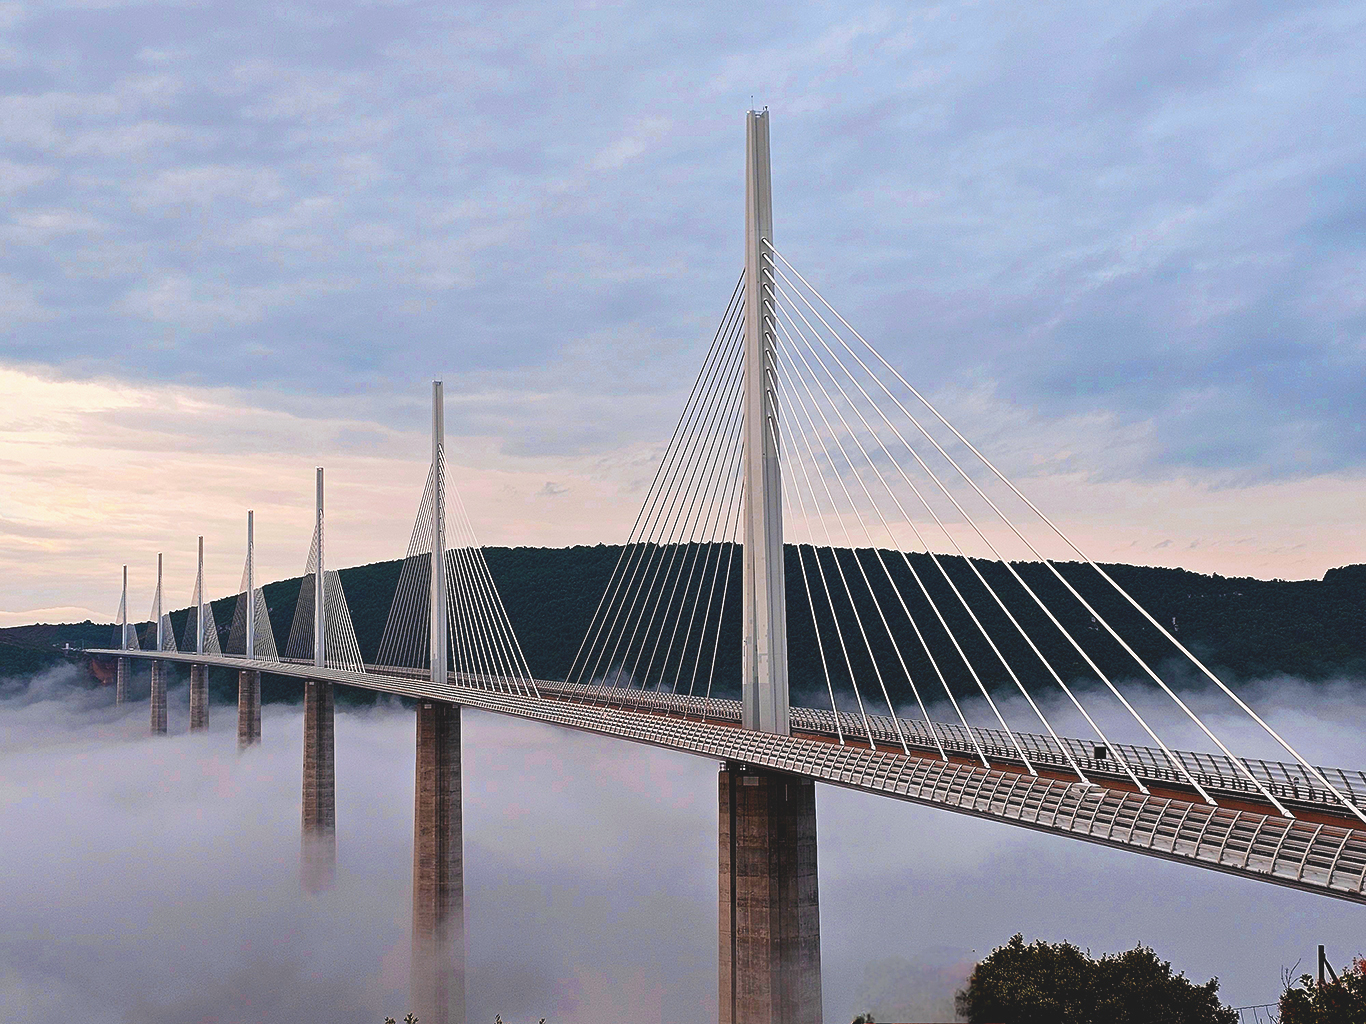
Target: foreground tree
{"type": "Point", "coordinates": [1342, 1001]}
{"type": "Point", "coordinates": [1057, 983]}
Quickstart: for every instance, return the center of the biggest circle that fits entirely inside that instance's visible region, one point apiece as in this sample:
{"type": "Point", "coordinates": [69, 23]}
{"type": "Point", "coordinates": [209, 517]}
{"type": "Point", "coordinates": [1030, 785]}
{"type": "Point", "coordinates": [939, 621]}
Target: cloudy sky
{"type": "Point", "coordinates": [155, 879]}
{"type": "Point", "coordinates": [1121, 243]}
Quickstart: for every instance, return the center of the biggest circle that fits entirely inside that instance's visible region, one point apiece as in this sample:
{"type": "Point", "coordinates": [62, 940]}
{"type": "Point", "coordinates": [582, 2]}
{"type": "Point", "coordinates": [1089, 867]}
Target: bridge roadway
{"type": "Point", "coordinates": [1319, 851]}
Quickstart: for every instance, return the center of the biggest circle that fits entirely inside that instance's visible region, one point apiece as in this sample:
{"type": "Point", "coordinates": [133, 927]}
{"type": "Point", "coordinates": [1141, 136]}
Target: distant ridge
{"type": "Point", "coordinates": [1249, 628]}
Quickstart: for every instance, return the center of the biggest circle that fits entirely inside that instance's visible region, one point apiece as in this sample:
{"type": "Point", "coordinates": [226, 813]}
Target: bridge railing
{"type": "Point", "coordinates": [1289, 782]}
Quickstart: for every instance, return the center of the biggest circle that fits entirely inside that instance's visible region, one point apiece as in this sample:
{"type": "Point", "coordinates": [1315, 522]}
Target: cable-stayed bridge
{"type": "Point", "coordinates": [815, 526]}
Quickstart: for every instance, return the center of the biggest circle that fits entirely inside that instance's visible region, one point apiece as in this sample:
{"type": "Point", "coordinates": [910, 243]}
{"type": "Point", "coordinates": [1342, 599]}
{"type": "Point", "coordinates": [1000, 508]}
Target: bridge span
{"type": "Point", "coordinates": [787, 382]}
{"type": "Point", "coordinates": [1317, 851]}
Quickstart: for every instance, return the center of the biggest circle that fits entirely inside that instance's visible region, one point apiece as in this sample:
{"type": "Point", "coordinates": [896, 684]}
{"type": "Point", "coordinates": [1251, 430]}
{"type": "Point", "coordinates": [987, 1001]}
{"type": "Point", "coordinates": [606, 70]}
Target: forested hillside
{"type": "Point", "coordinates": [1246, 628]}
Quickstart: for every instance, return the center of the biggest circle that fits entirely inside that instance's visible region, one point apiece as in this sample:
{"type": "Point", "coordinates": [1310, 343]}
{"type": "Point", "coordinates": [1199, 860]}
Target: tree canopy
{"type": "Point", "coordinates": [1057, 983]}
{"type": "Point", "coordinates": [1340, 1001]}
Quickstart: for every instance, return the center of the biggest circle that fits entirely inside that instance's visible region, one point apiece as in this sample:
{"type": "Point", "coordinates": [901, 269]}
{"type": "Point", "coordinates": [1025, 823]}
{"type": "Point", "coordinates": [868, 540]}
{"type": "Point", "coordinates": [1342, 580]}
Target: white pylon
{"type": "Point", "coordinates": [251, 592]}
{"type": "Point", "coordinates": [764, 684]}
{"type": "Point", "coordinates": [161, 637]}
{"type": "Point", "coordinates": [440, 637]}
{"type": "Point", "coordinates": [123, 614]}
{"type": "Point", "coordinates": [199, 595]}
{"type": "Point", "coordinates": [319, 609]}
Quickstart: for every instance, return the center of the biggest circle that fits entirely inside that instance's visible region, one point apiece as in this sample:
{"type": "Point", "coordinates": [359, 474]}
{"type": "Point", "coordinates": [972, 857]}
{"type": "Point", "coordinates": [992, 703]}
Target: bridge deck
{"type": "Point", "coordinates": [1290, 783]}
{"type": "Point", "coordinates": [1319, 852]}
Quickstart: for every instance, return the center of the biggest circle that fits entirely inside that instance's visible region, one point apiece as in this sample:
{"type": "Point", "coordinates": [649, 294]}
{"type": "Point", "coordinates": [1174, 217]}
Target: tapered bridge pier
{"type": "Point", "coordinates": [319, 854]}
{"type": "Point", "coordinates": [770, 949]}
{"type": "Point", "coordinates": [438, 968]}
{"type": "Point", "coordinates": [248, 708]}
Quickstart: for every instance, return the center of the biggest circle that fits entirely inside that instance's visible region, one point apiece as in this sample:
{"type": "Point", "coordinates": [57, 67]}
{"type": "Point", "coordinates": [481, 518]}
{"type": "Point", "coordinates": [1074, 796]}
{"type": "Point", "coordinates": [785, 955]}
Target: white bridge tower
{"type": "Point", "coordinates": [764, 684]}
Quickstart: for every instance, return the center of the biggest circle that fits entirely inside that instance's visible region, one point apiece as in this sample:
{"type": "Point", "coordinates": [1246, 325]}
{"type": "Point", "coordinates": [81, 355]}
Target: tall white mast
{"type": "Point", "coordinates": [319, 612]}
{"type": "Point", "coordinates": [123, 613]}
{"type": "Point", "coordinates": [161, 638]}
{"type": "Point", "coordinates": [251, 591]}
{"type": "Point", "coordinates": [439, 627]}
{"type": "Point", "coordinates": [764, 685]}
{"type": "Point", "coordinates": [199, 623]}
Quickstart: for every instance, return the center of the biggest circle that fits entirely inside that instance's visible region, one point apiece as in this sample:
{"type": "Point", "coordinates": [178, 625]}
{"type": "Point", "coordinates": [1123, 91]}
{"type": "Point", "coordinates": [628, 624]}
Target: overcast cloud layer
{"type": "Point", "coordinates": [156, 879]}
{"type": "Point", "coordinates": [1153, 210]}
{"type": "Point", "coordinates": [1123, 244]}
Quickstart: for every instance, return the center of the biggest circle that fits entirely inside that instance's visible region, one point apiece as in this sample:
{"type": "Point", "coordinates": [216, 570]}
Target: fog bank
{"type": "Point", "coordinates": [156, 879]}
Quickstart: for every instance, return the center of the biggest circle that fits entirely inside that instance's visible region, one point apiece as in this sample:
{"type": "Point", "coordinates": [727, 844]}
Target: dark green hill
{"type": "Point", "coordinates": [1244, 628]}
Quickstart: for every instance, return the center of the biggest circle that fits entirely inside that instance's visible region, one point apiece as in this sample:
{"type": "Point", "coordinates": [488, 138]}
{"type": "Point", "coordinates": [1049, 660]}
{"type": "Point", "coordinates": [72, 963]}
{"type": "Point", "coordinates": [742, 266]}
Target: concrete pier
{"type": "Point", "coordinates": [770, 945]}
{"type": "Point", "coordinates": [248, 708]}
{"type": "Point", "coordinates": [121, 681]}
{"type": "Point", "coordinates": [158, 697]}
{"type": "Point", "coordinates": [199, 698]}
{"type": "Point", "coordinates": [438, 969]}
{"type": "Point", "coordinates": [319, 863]}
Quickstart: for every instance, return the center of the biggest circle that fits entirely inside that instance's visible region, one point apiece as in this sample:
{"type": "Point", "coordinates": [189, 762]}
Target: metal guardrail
{"type": "Point", "coordinates": [1290, 783]}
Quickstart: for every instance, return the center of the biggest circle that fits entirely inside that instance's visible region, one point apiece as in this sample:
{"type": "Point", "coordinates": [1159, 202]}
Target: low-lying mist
{"type": "Point", "coordinates": [155, 879]}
